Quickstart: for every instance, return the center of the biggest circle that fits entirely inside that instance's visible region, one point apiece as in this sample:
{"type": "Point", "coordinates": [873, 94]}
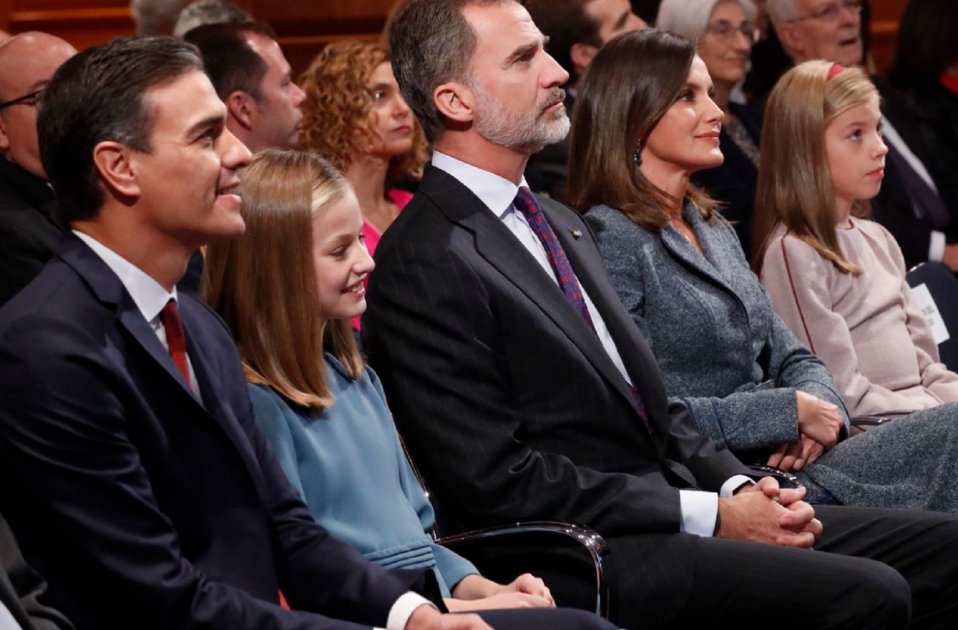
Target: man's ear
{"type": "Point", "coordinates": [4, 138]}
{"type": "Point", "coordinates": [240, 106]}
{"type": "Point", "coordinates": [117, 168]}
{"type": "Point", "coordinates": [581, 55]}
{"type": "Point", "coordinates": [791, 40]}
{"type": "Point", "coordinates": [455, 101]}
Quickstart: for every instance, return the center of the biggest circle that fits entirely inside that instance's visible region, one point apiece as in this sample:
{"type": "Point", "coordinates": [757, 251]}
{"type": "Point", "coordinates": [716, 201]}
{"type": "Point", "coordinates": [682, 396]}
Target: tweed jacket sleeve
{"type": "Point", "coordinates": [699, 317]}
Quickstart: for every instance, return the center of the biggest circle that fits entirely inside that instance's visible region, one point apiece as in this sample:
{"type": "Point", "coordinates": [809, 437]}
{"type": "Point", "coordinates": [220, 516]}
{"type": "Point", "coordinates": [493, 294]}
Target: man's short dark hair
{"type": "Point", "coordinates": [98, 96]}
{"type": "Point", "coordinates": [431, 43]}
{"type": "Point", "coordinates": [565, 23]}
{"type": "Point", "coordinates": [230, 61]}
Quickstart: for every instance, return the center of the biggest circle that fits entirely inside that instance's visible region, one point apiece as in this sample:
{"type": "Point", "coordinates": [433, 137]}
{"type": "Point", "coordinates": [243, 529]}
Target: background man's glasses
{"type": "Point", "coordinates": [829, 12]}
{"type": "Point", "coordinates": [30, 100]}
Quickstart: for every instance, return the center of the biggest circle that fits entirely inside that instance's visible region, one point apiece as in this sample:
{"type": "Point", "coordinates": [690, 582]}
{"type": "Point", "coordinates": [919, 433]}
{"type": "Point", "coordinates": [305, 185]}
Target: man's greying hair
{"type": "Point", "coordinates": [97, 96]}
{"type": "Point", "coordinates": [689, 18]}
{"type": "Point", "coordinates": [431, 43]}
{"type": "Point", "coordinates": [781, 11]}
{"type": "Point", "coordinates": [203, 12]}
{"type": "Point", "coordinates": [155, 17]}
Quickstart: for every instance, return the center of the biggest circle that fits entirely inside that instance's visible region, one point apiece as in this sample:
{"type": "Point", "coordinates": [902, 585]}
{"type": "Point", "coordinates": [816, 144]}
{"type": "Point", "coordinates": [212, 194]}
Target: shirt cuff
{"type": "Point", "coordinates": [403, 609]}
{"type": "Point", "coordinates": [732, 484]}
{"type": "Point", "coordinates": [699, 510]}
{"type": "Point", "coordinates": [936, 246]}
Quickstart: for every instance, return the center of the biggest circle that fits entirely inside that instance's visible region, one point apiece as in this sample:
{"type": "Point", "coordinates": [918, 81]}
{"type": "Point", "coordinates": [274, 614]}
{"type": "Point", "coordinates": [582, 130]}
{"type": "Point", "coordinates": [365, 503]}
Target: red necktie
{"type": "Point", "coordinates": [175, 338]}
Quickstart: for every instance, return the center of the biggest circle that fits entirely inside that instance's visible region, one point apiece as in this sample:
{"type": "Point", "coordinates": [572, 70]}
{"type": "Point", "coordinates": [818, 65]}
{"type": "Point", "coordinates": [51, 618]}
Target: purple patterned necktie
{"type": "Point", "coordinates": [525, 202]}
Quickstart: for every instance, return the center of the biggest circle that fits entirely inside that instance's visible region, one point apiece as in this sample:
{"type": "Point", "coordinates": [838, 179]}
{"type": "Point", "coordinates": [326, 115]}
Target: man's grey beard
{"type": "Point", "coordinates": [522, 131]}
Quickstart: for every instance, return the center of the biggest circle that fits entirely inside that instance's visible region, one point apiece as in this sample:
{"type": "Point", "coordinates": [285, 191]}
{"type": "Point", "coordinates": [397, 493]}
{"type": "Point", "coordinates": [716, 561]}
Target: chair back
{"type": "Point", "coordinates": [936, 291]}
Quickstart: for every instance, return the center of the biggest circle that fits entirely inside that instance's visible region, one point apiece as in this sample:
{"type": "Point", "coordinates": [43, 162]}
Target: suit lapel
{"type": "Point", "coordinates": [211, 387]}
{"type": "Point", "coordinates": [699, 264]}
{"type": "Point", "coordinates": [108, 289]}
{"type": "Point", "coordinates": [632, 346]}
{"type": "Point", "coordinates": [213, 407]}
{"type": "Point", "coordinates": [501, 249]}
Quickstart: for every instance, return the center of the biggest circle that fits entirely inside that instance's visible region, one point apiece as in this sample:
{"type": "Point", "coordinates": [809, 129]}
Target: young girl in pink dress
{"type": "Point", "coordinates": [836, 279]}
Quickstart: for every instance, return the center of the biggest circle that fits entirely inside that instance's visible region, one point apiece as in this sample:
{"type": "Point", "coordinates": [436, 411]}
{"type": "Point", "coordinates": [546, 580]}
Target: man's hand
{"type": "Point", "coordinates": [818, 419]}
{"type": "Point", "coordinates": [428, 618]}
{"type": "Point", "coordinates": [793, 457]}
{"type": "Point", "coordinates": [766, 513]}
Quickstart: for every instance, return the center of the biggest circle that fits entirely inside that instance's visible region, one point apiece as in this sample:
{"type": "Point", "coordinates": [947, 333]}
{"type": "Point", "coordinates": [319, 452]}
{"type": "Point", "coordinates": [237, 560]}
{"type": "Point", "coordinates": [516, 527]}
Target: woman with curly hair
{"type": "Point", "coordinates": [355, 117]}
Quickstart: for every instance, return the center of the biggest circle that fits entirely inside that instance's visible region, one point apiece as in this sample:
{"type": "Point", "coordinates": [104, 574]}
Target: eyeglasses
{"type": "Point", "coordinates": [725, 30]}
{"type": "Point", "coordinates": [30, 100]}
{"type": "Point", "coordinates": [829, 12]}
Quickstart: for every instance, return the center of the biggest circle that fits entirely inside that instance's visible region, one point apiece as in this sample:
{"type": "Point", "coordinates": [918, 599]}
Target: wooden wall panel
{"type": "Point", "coordinates": [303, 26]}
{"type": "Point", "coordinates": [83, 23]}
{"type": "Point", "coordinates": [884, 29]}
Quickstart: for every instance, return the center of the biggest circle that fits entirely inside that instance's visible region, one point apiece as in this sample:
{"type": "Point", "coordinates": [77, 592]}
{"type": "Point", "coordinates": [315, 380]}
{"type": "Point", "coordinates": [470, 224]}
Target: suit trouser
{"type": "Point", "coordinates": [870, 568]}
{"type": "Point", "coordinates": [544, 619]}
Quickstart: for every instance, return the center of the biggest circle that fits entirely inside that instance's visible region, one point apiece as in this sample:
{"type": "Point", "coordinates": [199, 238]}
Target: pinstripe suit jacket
{"type": "Point", "coordinates": [508, 402]}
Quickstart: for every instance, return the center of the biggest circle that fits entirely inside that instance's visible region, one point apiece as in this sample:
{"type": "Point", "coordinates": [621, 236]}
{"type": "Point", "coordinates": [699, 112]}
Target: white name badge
{"type": "Point", "coordinates": [930, 310]}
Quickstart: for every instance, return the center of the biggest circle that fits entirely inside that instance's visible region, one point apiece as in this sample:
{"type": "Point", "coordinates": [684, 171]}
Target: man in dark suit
{"type": "Point", "coordinates": [131, 468]}
{"type": "Point", "coordinates": [28, 230]}
{"type": "Point", "coordinates": [525, 392]}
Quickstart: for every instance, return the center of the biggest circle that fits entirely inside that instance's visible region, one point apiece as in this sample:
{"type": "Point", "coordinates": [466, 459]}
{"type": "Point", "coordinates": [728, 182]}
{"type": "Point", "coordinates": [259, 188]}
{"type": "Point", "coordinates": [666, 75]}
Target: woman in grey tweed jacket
{"type": "Point", "coordinates": [681, 273]}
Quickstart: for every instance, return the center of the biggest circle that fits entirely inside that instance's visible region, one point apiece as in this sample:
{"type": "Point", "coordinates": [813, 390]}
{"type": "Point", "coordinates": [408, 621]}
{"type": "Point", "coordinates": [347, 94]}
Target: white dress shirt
{"type": "Point", "coordinates": [699, 508]}
{"type": "Point", "coordinates": [150, 298]}
{"type": "Point", "coordinates": [7, 622]}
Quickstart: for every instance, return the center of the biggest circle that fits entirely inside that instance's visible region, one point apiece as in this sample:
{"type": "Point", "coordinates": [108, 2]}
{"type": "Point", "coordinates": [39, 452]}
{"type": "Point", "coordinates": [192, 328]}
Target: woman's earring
{"type": "Point", "coordinates": [637, 155]}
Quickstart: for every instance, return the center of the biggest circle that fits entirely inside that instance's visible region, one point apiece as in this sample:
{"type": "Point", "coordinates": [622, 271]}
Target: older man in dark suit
{"type": "Point", "coordinates": [131, 468]}
{"type": "Point", "coordinates": [525, 392]}
{"type": "Point", "coordinates": [28, 230]}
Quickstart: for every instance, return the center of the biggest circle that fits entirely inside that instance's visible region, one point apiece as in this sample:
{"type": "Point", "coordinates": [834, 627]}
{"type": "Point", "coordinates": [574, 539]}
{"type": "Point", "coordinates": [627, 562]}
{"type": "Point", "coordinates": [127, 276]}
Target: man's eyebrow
{"type": "Point", "coordinates": [523, 51]}
{"type": "Point", "coordinates": [210, 121]}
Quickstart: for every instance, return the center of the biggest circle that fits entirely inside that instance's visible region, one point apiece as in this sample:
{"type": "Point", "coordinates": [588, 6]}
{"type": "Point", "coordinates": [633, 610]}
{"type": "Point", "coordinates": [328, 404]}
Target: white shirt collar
{"type": "Point", "coordinates": [148, 295]}
{"type": "Point", "coordinates": [496, 192]}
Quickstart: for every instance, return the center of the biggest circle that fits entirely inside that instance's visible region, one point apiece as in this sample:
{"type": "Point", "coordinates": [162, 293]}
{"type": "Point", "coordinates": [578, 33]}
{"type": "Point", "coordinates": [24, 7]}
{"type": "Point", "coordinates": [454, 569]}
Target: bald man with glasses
{"type": "Point", "coordinates": [819, 29]}
{"type": "Point", "coordinates": [28, 230]}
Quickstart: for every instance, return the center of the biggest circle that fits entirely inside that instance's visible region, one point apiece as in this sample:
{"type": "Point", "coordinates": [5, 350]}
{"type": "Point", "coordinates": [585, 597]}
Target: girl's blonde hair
{"type": "Point", "coordinates": [264, 284]}
{"type": "Point", "coordinates": [794, 181]}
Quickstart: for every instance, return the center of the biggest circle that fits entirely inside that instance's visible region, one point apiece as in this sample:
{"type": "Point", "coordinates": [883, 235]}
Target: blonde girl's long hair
{"type": "Point", "coordinates": [263, 284]}
{"type": "Point", "coordinates": [794, 181]}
